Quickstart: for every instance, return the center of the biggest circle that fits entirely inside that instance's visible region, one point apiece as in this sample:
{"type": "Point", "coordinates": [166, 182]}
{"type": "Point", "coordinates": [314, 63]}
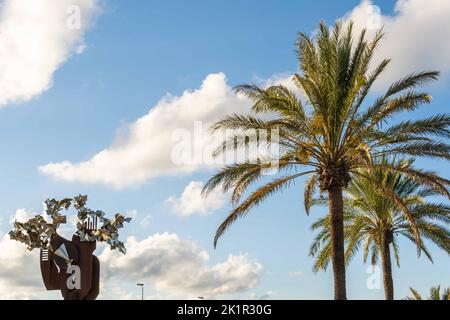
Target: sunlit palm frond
{"type": "Point", "coordinates": [254, 199]}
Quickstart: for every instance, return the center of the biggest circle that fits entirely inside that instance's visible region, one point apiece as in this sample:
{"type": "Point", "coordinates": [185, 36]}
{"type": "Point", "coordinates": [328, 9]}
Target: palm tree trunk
{"type": "Point", "coordinates": [336, 213]}
{"type": "Point", "coordinates": [387, 270]}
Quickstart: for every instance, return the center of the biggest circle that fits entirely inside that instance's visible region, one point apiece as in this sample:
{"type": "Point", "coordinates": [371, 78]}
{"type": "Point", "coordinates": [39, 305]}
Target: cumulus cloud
{"type": "Point", "coordinates": [113, 290]}
{"type": "Point", "coordinates": [175, 267]}
{"type": "Point", "coordinates": [265, 296]}
{"type": "Point", "coordinates": [20, 276]}
{"type": "Point", "coordinates": [179, 267]}
{"type": "Point", "coordinates": [169, 140]}
{"type": "Point", "coordinates": [21, 215]}
{"type": "Point", "coordinates": [280, 79]}
{"type": "Point", "coordinates": [414, 36]}
{"type": "Point", "coordinates": [146, 221]}
{"type": "Point", "coordinates": [151, 146]}
{"type": "Point", "coordinates": [192, 202]}
{"type": "Point", "coordinates": [36, 38]}
{"type": "Point", "coordinates": [66, 229]}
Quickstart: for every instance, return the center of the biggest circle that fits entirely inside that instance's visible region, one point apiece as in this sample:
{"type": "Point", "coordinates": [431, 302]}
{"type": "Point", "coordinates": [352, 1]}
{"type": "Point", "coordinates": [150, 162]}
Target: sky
{"type": "Point", "coordinates": [92, 92]}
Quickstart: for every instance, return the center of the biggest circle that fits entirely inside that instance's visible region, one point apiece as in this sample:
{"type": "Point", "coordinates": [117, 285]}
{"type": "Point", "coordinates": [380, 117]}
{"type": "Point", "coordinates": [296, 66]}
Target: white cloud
{"type": "Point", "coordinates": [113, 290]}
{"type": "Point", "coordinates": [265, 296]}
{"type": "Point", "coordinates": [36, 38]}
{"type": "Point", "coordinates": [149, 148]}
{"type": "Point", "coordinates": [192, 202]}
{"type": "Point", "coordinates": [413, 40]}
{"type": "Point", "coordinates": [21, 215]}
{"type": "Point", "coordinates": [283, 79]}
{"type": "Point", "coordinates": [146, 221]}
{"type": "Point", "coordinates": [133, 213]}
{"type": "Point", "coordinates": [414, 37]}
{"type": "Point", "coordinates": [66, 230]}
{"type": "Point", "coordinates": [179, 267]}
{"type": "Point", "coordinates": [176, 268]}
{"type": "Point", "coordinates": [20, 276]}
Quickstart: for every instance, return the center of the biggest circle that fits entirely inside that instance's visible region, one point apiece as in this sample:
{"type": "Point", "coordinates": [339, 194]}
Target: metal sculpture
{"type": "Point", "coordinates": [70, 265]}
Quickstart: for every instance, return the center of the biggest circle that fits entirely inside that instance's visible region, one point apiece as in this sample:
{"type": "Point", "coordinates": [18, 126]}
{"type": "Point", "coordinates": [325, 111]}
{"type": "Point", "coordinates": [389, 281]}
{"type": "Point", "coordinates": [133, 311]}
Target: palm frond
{"type": "Point", "coordinates": [434, 149]}
{"type": "Point", "coordinates": [310, 188]}
{"type": "Point", "coordinates": [415, 295]}
{"type": "Point", "coordinates": [254, 199]}
{"type": "Point", "coordinates": [437, 125]}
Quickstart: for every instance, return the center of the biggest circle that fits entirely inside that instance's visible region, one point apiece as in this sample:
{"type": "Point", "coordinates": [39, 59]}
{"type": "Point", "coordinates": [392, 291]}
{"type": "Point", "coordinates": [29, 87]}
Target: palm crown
{"type": "Point", "coordinates": [332, 132]}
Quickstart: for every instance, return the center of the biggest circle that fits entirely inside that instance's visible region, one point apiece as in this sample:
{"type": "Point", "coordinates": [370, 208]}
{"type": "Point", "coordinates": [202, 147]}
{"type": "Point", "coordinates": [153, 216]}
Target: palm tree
{"type": "Point", "coordinates": [373, 222]}
{"type": "Point", "coordinates": [435, 294]}
{"type": "Point", "coordinates": [328, 135]}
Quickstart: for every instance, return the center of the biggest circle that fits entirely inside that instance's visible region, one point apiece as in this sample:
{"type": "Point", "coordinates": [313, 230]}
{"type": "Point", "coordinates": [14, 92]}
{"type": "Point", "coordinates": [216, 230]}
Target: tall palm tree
{"type": "Point", "coordinates": [373, 222]}
{"type": "Point", "coordinates": [435, 294]}
{"type": "Point", "coordinates": [332, 132]}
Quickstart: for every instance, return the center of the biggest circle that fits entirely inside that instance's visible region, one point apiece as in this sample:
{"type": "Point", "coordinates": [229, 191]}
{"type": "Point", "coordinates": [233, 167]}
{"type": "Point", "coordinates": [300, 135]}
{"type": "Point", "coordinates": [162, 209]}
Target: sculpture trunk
{"type": "Point", "coordinates": [57, 276]}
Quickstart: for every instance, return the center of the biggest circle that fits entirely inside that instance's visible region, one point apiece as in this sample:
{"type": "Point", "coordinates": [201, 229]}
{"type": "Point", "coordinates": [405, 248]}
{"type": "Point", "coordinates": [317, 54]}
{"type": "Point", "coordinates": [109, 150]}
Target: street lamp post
{"type": "Point", "coordinates": [142, 289]}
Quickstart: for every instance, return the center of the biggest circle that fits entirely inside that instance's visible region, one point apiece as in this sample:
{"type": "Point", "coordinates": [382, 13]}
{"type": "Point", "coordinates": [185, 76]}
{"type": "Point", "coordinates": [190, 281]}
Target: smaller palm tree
{"type": "Point", "coordinates": [373, 221]}
{"type": "Point", "coordinates": [435, 294]}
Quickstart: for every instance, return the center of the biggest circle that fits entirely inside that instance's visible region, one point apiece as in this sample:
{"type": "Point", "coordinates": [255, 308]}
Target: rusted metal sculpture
{"type": "Point", "coordinates": [70, 265]}
{"type": "Point", "coordinates": [57, 272]}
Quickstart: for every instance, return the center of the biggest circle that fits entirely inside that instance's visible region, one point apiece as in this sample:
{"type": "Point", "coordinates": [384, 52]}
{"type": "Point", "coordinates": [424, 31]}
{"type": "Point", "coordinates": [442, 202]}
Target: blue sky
{"type": "Point", "coordinates": [137, 52]}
